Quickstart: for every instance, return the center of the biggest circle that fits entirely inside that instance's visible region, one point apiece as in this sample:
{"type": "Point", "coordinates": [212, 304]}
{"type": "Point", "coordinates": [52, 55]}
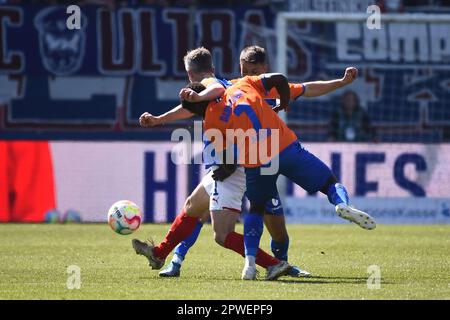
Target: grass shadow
{"type": "Point", "coordinates": [300, 280]}
{"type": "Point", "coordinates": [329, 280]}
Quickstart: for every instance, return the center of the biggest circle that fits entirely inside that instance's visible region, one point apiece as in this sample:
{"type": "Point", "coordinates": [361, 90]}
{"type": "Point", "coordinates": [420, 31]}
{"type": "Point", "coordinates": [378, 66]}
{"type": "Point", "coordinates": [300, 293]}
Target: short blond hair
{"type": "Point", "coordinates": [198, 60]}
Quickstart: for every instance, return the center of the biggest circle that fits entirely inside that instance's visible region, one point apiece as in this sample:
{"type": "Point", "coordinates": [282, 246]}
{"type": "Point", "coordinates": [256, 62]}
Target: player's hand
{"type": "Point", "coordinates": [148, 120]}
{"type": "Point", "coordinates": [351, 73]}
{"type": "Point", "coordinates": [224, 171]}
{"type": "Point", "coordinates": [279, 107]}
{"type": "Point", "coordinates": [189, 95]}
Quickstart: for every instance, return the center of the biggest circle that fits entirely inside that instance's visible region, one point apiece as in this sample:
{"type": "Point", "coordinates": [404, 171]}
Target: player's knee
{"type": "Point", "coordinates": [189, 207]}
{"type": "Point", "coordinates": [205, 216]}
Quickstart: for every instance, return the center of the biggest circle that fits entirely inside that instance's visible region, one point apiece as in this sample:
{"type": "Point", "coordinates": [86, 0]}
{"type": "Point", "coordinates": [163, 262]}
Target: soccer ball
{"type": "Point", "coordinates": [124, 217]}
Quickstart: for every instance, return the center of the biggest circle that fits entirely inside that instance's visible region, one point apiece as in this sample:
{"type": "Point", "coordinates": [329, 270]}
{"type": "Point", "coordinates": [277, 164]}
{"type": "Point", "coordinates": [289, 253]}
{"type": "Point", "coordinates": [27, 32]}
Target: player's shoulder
{"type": "Point", "coordinates": [208, 81]}
{"type": "Point", "coordinates": [213, 80]}
{"type": "Point", "coordinates": [252, 83]}
{"type": "Point", "coordinates": [249, 79]}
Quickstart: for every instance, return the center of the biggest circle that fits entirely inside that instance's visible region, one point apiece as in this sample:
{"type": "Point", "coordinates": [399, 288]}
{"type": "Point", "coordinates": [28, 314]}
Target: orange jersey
{"type": "Point", "coordinates": [214, 110]}
{"type": "Point", "coordinates": [245, 119]}
{"type": "Point", "coordinates": [296, 89]}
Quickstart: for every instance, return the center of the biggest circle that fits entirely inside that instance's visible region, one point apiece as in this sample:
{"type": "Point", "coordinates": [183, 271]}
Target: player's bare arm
{"type": "Point", "coordinates": [319, 88]}
{"type": "Point", "coordinates": [212, 92]}
{"type": "Point", "coordinates": [178, 113]}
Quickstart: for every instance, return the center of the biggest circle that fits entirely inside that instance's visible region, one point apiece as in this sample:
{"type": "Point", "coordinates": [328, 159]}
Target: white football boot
{"type": "Point", "coordinates": [354, 215]}
{"type": "Point", "coordinates": [249, 273]}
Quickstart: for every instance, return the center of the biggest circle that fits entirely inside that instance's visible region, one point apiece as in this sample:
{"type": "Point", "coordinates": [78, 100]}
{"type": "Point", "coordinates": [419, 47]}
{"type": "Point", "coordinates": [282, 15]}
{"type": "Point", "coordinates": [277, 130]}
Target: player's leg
{"type": "Point", "coordinates": [309, 172]}
{"type": "Point", "coordinates": [224, 222]}
{"type": "Point", "coordinates": [225, 205]}
{"type": "Point", "coordinates": [181, 250]}
{"type": "Point", "coordinates": [260, 189]}
{"type": "Point", "coordinates": [337, 195]}
{"type": "Point", "coordinates": [276, 226]}
{"type": "Point", "coordinates": [226, 202]}
{"type": "Point", "coordinates": [198, 200]}
{"type": "Point", "coordinates": [182, 227]}
{"type": "Point", "coordinates": [279, 242]}
{"type": "Point", "coordinates": [185, 223]}
{"type": "Point", "coordinates": [313, 175]}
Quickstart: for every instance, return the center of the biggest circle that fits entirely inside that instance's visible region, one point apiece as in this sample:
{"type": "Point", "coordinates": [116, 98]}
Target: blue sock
{"type": "Point", "coordinates": [280, 249]}
{"type": "Point", "coordinates": [253, 229]}
{"type": "Point", "coordinates": [182, 249]}
{"type": "Point", "coordinates": [337, 194]}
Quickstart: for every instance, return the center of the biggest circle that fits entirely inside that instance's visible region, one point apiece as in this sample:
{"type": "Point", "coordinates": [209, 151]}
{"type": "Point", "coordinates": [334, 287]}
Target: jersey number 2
{"type": "Point", "coordinates": [245, 108]}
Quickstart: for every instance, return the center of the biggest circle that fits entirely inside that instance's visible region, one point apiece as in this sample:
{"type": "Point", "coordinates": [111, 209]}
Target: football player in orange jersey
{"type": "Point", "coordinates": [252, 61]}
{"type": "Point", "coordinates": [243, 110]}
{"type": "Point", "coordinates": [224, 198]}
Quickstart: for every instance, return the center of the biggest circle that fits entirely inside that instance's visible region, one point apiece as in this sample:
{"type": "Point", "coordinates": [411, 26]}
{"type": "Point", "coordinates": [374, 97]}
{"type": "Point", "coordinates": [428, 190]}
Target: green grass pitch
{"type": "Point", "coordinates": [414, 262]}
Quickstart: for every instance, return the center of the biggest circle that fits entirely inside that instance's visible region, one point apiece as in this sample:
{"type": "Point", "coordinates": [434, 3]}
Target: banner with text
{"type": "Point", "coordinates": [402, 183]}
{"type": "Point", "coordinates": [120, 63]}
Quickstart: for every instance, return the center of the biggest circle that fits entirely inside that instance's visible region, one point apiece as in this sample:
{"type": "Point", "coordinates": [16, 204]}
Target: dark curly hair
{"type": "Point", "coordinates": [197, 108]}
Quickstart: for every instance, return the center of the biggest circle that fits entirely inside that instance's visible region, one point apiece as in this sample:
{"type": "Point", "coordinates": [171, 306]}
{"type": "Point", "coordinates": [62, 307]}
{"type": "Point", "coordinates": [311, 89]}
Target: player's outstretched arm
{"type": "Point", "coordinates": [177, 113]}
{"type": "Point", "coordinates": [319, 88]}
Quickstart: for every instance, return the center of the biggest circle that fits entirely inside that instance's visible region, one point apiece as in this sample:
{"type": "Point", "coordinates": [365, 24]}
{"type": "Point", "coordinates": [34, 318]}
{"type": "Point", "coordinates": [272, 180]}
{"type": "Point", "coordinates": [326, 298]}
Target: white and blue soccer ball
{"type": "Point", "coordinates": [124, 217]}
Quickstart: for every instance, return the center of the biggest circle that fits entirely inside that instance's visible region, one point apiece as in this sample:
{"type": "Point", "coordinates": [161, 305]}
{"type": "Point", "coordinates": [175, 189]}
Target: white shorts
{"type": "Point", "coordinates": [227, 194]}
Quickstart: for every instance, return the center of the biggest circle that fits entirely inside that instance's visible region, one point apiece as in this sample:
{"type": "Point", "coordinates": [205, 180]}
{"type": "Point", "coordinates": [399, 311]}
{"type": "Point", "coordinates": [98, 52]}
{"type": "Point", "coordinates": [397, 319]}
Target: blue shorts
{"type": "Point", "coordinates": [274, 206]}
{"type": "Point", "coordinates": [295, 163]}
